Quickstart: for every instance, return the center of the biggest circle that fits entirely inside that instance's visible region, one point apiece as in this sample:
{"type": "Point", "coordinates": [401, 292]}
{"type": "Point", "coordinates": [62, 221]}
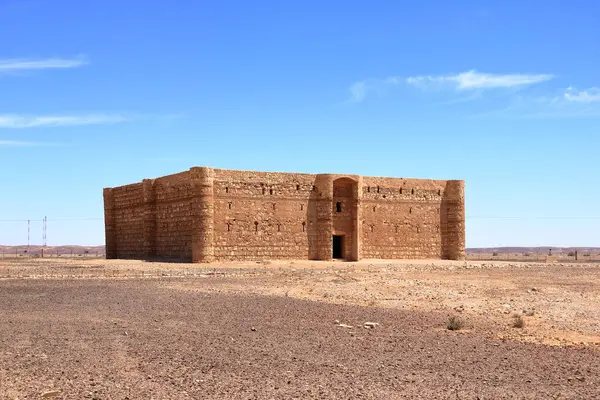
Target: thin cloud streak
{"type": "Point", "coordinates": [589, 95]}
{"type": "Point", "coordinates": [19, 143]}
{"type": "Point", "coordinates": [557, 107]}
{"type": "Point", "coordinates": [358, 91]}
{"type": "Point", "coordinates": [14, 65]}
{"type": "Point", "coordinates": [471, 80]}
{"type": "Point", "coordinates": [476, 80]}
{"type": "Point", "coordinates": [13, 121]}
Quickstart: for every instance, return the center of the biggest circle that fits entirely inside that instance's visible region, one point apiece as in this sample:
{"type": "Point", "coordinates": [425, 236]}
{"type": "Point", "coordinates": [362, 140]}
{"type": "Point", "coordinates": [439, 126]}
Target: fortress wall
{"type": "Point", "coordinates": [207, 214]}
{"type": "Point", "coordinates": [173, 216]}
{"type": "Point", "coordinates": [262, 215]}
{"type": "Point", "coordinates": [124, 220]}
{"type": "Point", "coordinates": [401, 218]}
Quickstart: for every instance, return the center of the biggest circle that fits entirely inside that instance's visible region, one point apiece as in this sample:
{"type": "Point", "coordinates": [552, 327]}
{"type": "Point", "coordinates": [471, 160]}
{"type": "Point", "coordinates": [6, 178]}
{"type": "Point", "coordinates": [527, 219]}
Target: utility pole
{"type": "Point", "coordinates": [28, 234]}
{"type": "Point", "coordinates": [44, 234]}
{"type": "Point", "coordinates": [45, 221]}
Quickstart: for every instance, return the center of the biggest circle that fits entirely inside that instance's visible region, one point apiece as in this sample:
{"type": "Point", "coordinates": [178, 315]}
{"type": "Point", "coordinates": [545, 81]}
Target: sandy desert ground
{"type": "Point", "coordinates": [117, 329]}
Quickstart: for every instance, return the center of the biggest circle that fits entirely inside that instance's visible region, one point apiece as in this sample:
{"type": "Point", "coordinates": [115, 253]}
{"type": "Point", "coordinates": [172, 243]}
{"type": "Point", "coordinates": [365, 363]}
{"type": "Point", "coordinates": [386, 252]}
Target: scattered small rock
{"type": "Point", "coordinates": [253, 329]}
{"type": "Point", "coordinates": [529, 312]}
{"type": "Point", "coordinates": [371, 324]}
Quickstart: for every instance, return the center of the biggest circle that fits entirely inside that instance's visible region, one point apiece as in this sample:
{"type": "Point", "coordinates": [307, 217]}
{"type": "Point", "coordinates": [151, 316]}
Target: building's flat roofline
{"type": "Point", "coordinates": [292, 173]}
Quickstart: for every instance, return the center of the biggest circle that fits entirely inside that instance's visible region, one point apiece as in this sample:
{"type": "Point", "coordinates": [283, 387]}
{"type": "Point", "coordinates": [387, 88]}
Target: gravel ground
{"type": "Point", "coordinates": [146, 339]}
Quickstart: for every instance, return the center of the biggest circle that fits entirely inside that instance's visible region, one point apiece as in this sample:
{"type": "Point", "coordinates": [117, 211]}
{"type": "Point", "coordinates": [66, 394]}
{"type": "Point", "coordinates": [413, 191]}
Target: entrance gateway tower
{"type": "Point", "coordinates": [207, 214]}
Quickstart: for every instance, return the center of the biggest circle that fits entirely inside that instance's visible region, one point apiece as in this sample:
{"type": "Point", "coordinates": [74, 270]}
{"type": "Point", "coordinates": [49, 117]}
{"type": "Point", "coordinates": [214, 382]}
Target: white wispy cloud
{"type": "Point", "coordinates": [563, 104]}
{"type": "Point", "coordinates": [20, 143]}
{"type": "Point", "coordinates": [26, 121]}
{"type": "Point", "coordinates": [358, 91]}
{"type": "Point", "coordinates": [589, 95]}
{"type": "Point", "coordinates": [16, 65]}
{"type": "Point", "coordinates": [473, 79]}
{"type": "Point", "coordinates": [16, 143]}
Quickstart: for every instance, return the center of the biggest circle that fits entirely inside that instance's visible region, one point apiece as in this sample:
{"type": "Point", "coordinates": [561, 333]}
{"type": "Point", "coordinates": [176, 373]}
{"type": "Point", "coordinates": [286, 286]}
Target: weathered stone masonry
{"type": "Point", "coordinates": [207, 214]}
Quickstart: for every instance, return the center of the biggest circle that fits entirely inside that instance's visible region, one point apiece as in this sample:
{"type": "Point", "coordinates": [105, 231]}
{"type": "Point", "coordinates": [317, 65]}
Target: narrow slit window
{"type": "Point", "coordinates": [374, 208]}
{"type": "Point", "coordinates": [410, 210]}
{"type": "Point", "coordinates": [439, 192]}
{"type": "Point", "coordinates": [314, 188]}
{"type": "Point", "coordinates": [278, 227]}
{"type": "Point", "coordinates": [412, 191]}
{"type": "Point", "coordinates": [226, 189]}
{"type": "Point", "coordinates": [369, 189]}
{"type": "Point", "coordinates": [255, 226]}
{"type": "Point", "coordinates": [297, 187]}
{"type": "Point", "coordinates": [229, 205]}
{"type": "Point", "coordinates": [271, 191]}
{"type": "Point", "coordinates": [396, 228]}
{"type": "Point", "coordinates": [372, 228]}
{"type": "Point", "coordinates": [338, 206]}
{"type": "Point", "coordinates": [303, 226]}
{"type": "Point", "coordinates": [264, 190]}
{"type": "Point", "coordinates": [377, 189]}
{"type": "Point", "coordinates": [400, 190]}
{"type": "Point", "coordinates": [228, 226]}
{"type": "Point", "coordinates": [301, 207]}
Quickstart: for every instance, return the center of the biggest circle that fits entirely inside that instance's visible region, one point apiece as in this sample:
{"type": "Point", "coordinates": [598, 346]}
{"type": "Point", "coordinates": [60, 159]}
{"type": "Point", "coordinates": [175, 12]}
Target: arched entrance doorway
{"type": "Point", "coordinates": [344, 238]}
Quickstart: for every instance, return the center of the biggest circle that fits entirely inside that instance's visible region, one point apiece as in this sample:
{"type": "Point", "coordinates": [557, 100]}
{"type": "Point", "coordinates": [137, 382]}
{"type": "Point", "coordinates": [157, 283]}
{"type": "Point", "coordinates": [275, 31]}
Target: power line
{"type": "Point", "coordinates": [51, 220]}
{"type": "Point", "coordinates": [532, 217]}
{"type": "Point", "coordinates": [467, 217]}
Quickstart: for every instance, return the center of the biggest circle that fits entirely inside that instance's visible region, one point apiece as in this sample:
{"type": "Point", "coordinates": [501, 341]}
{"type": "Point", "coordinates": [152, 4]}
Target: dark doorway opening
{"type": "Point", "coordinates": [338, 246]}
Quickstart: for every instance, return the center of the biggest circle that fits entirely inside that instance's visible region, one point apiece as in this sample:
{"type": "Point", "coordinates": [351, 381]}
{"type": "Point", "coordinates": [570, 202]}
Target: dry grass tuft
{"type": "Point", "coordinates": [518, 321]}
{"type": "Point", "coordinates": [454, 323]}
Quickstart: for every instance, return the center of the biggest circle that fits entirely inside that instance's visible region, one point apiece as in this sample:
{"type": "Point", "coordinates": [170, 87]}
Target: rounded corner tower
{"type": "Point", "coordinates": [452, 215]}
{"type": "Point", "coordinates": [202, 181]}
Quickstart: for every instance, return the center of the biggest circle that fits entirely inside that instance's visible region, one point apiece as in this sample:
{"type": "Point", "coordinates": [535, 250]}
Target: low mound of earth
{"type": "Point", "coordinates": [188, 338]}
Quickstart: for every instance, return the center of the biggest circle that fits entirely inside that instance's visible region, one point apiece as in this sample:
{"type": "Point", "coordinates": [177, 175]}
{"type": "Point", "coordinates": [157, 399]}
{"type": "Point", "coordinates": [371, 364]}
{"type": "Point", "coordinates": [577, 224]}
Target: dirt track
{"type": "Point", "coordinates": [203, 337]}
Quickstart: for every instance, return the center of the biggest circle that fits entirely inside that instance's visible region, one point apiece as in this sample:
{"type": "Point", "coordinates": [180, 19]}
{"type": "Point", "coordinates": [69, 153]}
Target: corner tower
{"type": "Point", "coordinates": [452, 220]}
{"type": "Point", "coordinates": [203, 210]}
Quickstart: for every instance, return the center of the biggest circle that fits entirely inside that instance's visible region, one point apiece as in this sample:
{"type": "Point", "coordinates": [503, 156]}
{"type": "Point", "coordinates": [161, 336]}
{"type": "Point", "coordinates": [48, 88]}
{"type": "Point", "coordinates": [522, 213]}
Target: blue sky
{"type": "Point", "coordinates": [503, 94]}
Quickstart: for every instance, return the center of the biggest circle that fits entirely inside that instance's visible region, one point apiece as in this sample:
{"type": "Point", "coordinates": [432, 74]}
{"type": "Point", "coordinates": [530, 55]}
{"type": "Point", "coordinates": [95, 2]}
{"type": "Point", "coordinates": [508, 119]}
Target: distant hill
{"type": "Point", "coordinates": [22, 249]}
{"type": "Point", "coordinates": [65, 250]}
{"type": "Point", "coordinates": [533, 250]}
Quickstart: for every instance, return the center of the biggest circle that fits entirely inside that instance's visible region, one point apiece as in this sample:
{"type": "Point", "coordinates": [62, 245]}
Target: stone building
{"type": "Point", "coordinates": [206, 214]}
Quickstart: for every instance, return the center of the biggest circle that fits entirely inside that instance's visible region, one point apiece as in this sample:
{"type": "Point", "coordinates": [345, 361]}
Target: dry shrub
{"type": "Point", "coordinates": [518, 321]}
{"type": "Point", "coordinates": [454, 323]}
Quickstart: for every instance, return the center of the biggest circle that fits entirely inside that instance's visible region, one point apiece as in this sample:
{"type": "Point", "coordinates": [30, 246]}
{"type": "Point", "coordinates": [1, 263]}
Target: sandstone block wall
{"type": "Point", "coordinates": [207, 214]}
